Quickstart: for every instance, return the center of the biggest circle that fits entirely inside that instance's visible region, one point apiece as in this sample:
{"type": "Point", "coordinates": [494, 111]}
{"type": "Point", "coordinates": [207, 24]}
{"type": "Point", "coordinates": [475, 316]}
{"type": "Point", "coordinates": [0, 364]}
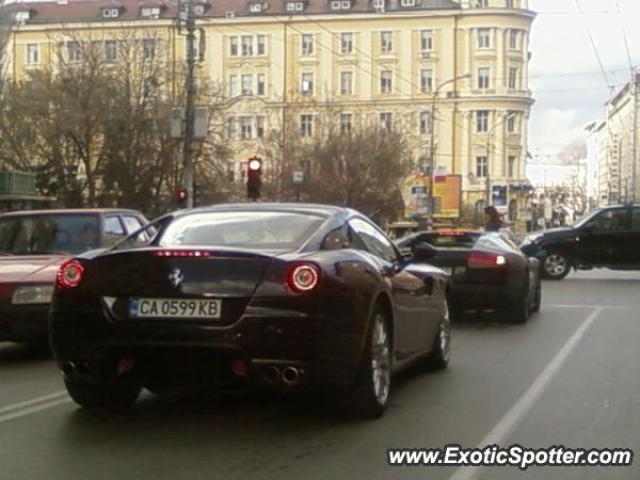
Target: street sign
{"type": "Point", "coordinates": [419, 190]}
{"type": "Point", "coordinates": [298, 177]}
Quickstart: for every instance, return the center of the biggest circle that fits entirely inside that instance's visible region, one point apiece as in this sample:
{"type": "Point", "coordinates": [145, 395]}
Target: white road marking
{"type": "Point", "coordinates": [608, 307]}
{"type": "Point", "coordinates": [512, 419]}
{"type": "Point", "coordinates": [29, 403]}
{"type": "Point", "coordinates": [33, 409]}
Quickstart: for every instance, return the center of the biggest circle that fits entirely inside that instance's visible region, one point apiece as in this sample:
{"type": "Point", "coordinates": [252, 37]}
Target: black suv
{"type": "Point", "coordinates": [607, 237]}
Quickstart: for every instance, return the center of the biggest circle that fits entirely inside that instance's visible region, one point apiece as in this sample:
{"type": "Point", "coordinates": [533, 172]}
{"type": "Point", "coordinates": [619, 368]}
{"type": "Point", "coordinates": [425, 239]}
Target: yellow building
{"type": "Point", "coordinates": [464, 62]}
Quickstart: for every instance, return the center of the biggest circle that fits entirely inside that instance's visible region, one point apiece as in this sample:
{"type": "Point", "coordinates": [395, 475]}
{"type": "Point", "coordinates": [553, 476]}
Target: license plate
{"type": "Point", "coordinates": [174, 308]}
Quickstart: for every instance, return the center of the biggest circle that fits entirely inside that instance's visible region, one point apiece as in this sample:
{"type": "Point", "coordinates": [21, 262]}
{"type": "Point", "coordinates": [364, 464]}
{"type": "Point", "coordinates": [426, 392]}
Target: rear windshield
{"type": "Point", "coordinates": [49, 234]}
{"type": "Point", "coordinates": [453, 239]}
{"type": "Point", "coordinates": [253, 230]}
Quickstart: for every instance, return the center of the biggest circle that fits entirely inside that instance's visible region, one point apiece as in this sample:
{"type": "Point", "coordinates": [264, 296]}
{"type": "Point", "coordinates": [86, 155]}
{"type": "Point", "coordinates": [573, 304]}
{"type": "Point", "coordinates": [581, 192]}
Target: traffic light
{"type": "Point", "coordinates": [254, 178]}
{"type": "Point", "coordinates": [181, 198]}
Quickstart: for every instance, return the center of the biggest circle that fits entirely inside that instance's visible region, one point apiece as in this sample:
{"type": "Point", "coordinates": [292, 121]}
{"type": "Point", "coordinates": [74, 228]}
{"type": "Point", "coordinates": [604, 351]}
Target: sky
{"type": "Point", "coordinates": [568, 84]}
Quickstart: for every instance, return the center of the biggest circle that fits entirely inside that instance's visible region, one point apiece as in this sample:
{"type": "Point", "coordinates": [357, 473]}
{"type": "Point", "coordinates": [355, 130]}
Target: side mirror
{"type": "Point", "coordinates": [424, 252]}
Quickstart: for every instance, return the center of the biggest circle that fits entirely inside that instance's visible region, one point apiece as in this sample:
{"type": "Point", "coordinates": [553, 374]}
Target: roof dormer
{"type": "Point", "coordinates": [340, 5]}
{"type": "Point", "coordinates": [151, 9]}
{"type": "Point", "coordinates": [111, 10]}
{"type": "Point", "coordinates": [295, 6]}
{"type": "Point", "coordinates": [22, 16]}
{"type": "Point", "coordinates": [257, 6]}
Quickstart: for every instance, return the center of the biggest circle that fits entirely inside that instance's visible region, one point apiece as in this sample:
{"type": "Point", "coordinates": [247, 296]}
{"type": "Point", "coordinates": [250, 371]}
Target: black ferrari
{"type": "Point", "coordinates": [287, 296]}
{"type": "Point", "coordinates": [488, 271]}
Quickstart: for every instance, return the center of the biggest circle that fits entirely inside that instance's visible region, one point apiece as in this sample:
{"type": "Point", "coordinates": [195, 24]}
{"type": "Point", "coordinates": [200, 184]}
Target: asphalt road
{"type": "Point", "coordinates": [570, 376]}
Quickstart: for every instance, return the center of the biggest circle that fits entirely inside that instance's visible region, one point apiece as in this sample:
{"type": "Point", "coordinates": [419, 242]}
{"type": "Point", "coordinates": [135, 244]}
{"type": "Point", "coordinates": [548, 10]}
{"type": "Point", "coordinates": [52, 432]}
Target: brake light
{"type": "Point", "coordinates": [303, 277]}
{"type": "Point", "coordinates": [181, 253]}
{"type": "Point", "coordinates": [450, 233]}
{"type": "Point", "coordinates": [486, 260]}
{"type": "Point", "coordinates": [70, 274]}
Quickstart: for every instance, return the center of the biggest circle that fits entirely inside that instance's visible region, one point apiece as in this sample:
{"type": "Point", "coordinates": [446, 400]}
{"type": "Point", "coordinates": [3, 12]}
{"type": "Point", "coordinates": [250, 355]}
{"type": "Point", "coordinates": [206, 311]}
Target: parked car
{"type": "Point", "coordinates": [488, 271]}
{"type": "Point", "coordinates": [288, 296]}
{"type": "Point", "coordinates": [608, 237]}
{"type": "Point", "coordinates": [33, 244]}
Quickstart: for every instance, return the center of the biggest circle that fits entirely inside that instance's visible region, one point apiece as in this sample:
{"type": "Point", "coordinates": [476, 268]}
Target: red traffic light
{"type": "Point", "coordinates": [181, 194]}
{"type": "Point", "coordinates": [254, 180]}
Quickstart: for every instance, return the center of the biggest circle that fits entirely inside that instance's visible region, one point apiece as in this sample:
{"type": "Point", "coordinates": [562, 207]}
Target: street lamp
{"type": "Point", "coordinates": [489, 138]}
{"type": "Point", "coordinates": [434, 98]}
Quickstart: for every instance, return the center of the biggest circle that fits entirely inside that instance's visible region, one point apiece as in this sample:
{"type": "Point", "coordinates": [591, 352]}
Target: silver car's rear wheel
{"type": "Point", "coordinates": [556, 266]}
{"type": "Point", "coordinates": [380, 360]}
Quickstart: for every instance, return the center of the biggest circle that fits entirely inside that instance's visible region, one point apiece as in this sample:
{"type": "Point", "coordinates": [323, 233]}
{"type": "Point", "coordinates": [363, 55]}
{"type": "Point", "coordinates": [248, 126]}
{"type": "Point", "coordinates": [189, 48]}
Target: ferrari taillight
{"type": "Point", "coordinates": [70, 274]}
{"type": "Point", "coordinates": [303, 277]}
{"type": "Point", "coordinates": [181, 253]}
{"type": "Point", "coordinates": [486, 260]}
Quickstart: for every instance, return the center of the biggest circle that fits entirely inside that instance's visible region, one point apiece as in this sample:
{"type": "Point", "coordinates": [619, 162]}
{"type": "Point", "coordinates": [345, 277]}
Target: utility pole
{"type": "Point", "coordinates": [634, 155]}
{"type": "Point", "coordinates": [432, 148]}
{"type": "Point", "coordinates": [186, 17]}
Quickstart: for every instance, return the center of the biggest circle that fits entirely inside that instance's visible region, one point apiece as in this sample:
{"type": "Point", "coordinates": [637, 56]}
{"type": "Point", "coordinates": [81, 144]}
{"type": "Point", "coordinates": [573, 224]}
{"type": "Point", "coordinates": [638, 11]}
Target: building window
{"type": "Point", "coordinates": [483, 78]}
{"type": "Point", "coordinates": [346, 122]}
{"type": "Point", "coordinates": [307, 44]}
{"type": "Point", "coordinates": [149, 49]}
{"type": "Point", "coordinates": [246, 128]}
{"type": "Point", "coordinates": [346, 83]}
{"type": "Point", "coordinates": [482, 121]}
{"type": "Point", "coordinates": [482, 3]}
{"type": "Point", "coordinates": [386, 121]}
{"type": "Point", "coordinates": [426, 80]}
{"type": "Point", "coordinates": [408, 3]}
{"type": "Point", "coordinates": [513, 39]}
{"type": "Point", "coordinates": [346, 43]}
{"type": "Point", "coordinates": [261, 88]}
{"type": "Point", "coordinates": [511, 166]}
{"type": "Point", "coordinates": [513, 211]}
{"type": "Point", "coordinates": [247, 84]}
{"type": "Point", "coordinates": [386, 81]}
{"type": "Point", "coordinates": [481, 167]}
{"type": "Point", "coordinates": [511, 122]}
{"type": "Point", "coordinates": [513, 78]}
{"type": "Point", "coordinates": [233, 85]}
{"type": "Point", "coordinates": [233, 46]}
{"type": "Point", "coordinates": [150, 12]}
{"type": "Point", "coordinates": [33, 54]}
{"type": "Point", "coordinates": [386, 42]}
{"type": "Point", "coordinates": [194, 50]}
{"type": "Point", "coordinates": [426, 40]}
{"type": "Point", "coordinates": [259, 127]}
{"type": "Point", "coordinates": [110, 12]}
{"type": "Point", "coordinates": [74, 52]}
{"type": "Point", "coordinates": [110, 51]}
{"type": "Point", "coordinates": [340, 4]}
{"type": "Point", "coordinates": [261, 45]}
{"type": "Point", "coordinates": [425, 123]}
{"type": "Point", "coordinates": [306, 83]}
{"type": "Point", "coordinates": [295, 6]}
{"type": "Point", "coordinates": [484, 38]}
{"type": "Point", "coordinates": [306, 125]}
{"type": "Point", "coordinates": [247, 45]}
{"type": "Point", "coordinates": [509, 4]}
{"type": "Point", "coordinates": [255, 7]}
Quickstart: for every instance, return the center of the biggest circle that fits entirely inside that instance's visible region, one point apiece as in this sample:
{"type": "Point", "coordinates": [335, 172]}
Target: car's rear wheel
{"type": "Point", "coordinates": [370, 395]}
{"type": "Point", "coordinates": [556, 266]}
{"type": "Point", "coordinates": [537, 298]}
{"type": "Point", "coordinates": [95, 395]}
{"type": "Point", "coordinates": [438, 359]}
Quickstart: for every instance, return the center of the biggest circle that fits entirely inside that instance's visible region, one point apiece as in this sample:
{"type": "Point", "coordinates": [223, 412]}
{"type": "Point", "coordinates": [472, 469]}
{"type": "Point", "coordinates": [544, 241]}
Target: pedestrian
{"type": "Point", "coordinates": [492, 222]}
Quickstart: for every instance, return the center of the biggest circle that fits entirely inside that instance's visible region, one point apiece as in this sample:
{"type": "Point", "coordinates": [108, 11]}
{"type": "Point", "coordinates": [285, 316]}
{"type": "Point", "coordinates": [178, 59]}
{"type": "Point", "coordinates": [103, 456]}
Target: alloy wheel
{"type": "Point", "coordinates": [445, 333]}
{"type": "Point", "coordinates": [555, 265]}
{"type": "Point", "coordinates": [380, 360]}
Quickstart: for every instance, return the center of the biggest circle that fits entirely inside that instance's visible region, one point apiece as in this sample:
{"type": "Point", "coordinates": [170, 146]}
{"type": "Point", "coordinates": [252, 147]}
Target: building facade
{"type": "Point", "coordinates": [457, 70]}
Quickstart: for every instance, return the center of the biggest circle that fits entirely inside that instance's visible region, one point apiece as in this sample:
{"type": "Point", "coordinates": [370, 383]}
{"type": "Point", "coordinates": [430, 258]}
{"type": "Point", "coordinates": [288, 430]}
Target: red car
{"type": "Point", "coordinates": [33, 244]}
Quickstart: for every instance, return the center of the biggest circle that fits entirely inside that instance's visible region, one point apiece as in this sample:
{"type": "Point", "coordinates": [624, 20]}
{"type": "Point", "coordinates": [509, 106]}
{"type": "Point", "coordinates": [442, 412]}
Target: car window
{"type": "Point", "coordinates": [49, 233]}
{"type": "Point", "coordinates": [132, 223]}
{"type": "Point", "coordinates": [635, 219]}
{"type": "Point", "coordinates": [375, 242]}
{"type": "Point", "coordinates": [113, 230]}
{"type": "Point", "coordinates": [610, 221]}
{"type": "Point", "coordinates": [336, 239]}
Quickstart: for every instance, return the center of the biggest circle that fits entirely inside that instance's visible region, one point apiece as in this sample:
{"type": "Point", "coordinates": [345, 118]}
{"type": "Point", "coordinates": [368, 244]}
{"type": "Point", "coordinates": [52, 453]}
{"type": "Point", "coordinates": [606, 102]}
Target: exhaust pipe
{"type": "Point", "coordinates": [290, 376]}
{"type": "Point", "coordinates": [68, 369]}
